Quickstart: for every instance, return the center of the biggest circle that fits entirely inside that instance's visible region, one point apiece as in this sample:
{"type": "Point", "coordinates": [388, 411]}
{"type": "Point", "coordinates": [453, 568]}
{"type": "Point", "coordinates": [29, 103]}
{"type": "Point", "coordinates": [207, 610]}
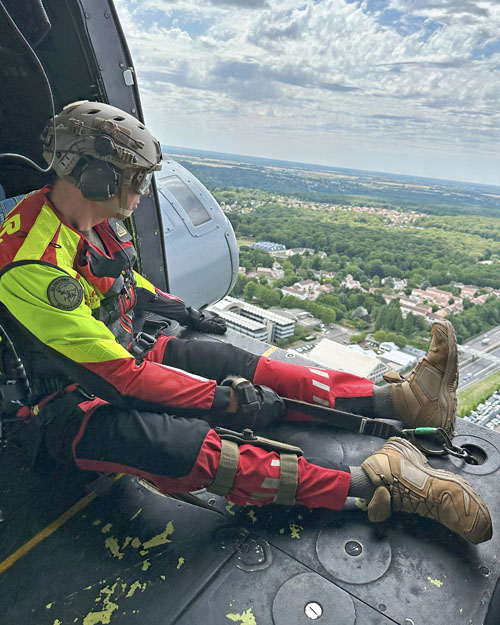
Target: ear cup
{"type": "Point", "coordinates": [99, 181]}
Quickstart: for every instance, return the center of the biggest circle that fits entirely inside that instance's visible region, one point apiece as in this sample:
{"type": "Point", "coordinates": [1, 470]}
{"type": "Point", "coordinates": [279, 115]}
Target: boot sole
{"type": "Point", "coordinates": [447, 393]}
{"type": "Point", "coordinates": [415, 456]}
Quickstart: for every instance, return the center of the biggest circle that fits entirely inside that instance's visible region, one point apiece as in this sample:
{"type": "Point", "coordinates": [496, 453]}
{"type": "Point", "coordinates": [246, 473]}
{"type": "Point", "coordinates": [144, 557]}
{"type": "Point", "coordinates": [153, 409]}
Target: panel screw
{"type": "Point", "coordinates": [353, 548]}
{"type": "Point", "coordinates": [485, 571]}
{"type": "Point", "coordinates": [313, 611]}
{"type": "Point", "coordinates": [409, 621]}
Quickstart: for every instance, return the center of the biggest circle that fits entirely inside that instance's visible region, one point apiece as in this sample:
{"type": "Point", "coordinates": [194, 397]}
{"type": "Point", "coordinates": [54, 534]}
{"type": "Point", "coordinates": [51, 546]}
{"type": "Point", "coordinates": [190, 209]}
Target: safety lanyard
{"type": "Point", "coordinates": [382, 429]}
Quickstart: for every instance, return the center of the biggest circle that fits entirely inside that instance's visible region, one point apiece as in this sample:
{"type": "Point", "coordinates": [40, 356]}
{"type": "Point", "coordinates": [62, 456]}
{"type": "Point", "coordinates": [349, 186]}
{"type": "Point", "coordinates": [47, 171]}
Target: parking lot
{"type": "Point", "coordinates": [487, 413]}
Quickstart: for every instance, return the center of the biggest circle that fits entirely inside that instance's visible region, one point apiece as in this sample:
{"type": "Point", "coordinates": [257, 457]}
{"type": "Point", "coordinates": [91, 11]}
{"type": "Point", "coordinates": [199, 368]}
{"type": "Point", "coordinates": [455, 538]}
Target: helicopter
{"type": "Point", "coordinates": [89, 548]}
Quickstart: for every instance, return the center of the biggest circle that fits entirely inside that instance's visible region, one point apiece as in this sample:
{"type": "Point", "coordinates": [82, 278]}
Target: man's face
{"type": "Point", "coordinates": [140, 186]}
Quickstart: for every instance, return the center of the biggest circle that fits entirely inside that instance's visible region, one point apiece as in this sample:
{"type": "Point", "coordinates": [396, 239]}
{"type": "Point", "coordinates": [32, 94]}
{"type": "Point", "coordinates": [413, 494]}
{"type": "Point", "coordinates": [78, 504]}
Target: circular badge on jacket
{"type": "Point", "coordinates": [65, 293]}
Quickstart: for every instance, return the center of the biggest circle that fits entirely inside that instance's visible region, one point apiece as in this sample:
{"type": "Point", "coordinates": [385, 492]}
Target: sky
{"type": "Point", "coordinates": [401, 86]}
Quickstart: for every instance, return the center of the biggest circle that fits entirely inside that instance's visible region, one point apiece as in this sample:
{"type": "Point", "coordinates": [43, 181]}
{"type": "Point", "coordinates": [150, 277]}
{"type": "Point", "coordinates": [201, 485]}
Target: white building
{"type": "Point", "coordinates": [243, 325]}
{"type": "Point", "coordinates": [397, 360]}
{"type": "Point", "coordinates": [277, 326]}
{"type": "Point", "coordinates": [341, 358]}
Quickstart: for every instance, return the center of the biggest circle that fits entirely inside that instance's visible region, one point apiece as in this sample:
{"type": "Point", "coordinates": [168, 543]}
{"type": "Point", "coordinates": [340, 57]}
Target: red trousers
{"type": "Point", "coordinates": [180, 454]}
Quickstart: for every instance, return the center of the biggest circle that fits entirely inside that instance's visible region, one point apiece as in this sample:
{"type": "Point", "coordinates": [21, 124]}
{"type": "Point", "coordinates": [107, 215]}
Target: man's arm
{"type": "Point", "coordinates": [151, 299]}
{"type": "Point", "coordinates": [84, 348]}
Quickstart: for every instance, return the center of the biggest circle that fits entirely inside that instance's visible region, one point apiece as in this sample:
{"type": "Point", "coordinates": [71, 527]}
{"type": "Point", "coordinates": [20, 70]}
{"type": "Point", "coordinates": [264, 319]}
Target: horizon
{"type": "Point", "coordinates": [333, 167]}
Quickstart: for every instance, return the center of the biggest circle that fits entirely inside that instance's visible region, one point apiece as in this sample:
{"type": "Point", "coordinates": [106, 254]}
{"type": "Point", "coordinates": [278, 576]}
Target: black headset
{"type": "Point", "coordinates": [99, 180]}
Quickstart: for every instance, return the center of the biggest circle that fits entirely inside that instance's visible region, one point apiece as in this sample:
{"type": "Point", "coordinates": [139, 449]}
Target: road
{"type": "Point", "coordinates": [473, 366]}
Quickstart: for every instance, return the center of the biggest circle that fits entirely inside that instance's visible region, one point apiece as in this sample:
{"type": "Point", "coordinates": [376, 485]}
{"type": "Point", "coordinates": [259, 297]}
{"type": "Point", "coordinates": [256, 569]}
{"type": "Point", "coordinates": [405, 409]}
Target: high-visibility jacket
{"type": "Point", "coordinates": [75, 304]}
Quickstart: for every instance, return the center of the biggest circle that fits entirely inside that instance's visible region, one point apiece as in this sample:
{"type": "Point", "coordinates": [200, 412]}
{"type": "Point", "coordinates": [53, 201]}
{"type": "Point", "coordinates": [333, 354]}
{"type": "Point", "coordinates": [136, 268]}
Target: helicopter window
{"type": "Point", "coordinates": [187, 199]}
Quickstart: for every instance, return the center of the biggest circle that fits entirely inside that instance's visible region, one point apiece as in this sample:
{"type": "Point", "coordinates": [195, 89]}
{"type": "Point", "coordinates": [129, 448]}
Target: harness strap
{"type": "Point", "coordinates": [226, 471]}
{"type": "Point", "coordinates": [289, 479]}
{"type": "Point", "coordinates": [230, 455]}
{"type": "Point", "coordinates": [346, 420]}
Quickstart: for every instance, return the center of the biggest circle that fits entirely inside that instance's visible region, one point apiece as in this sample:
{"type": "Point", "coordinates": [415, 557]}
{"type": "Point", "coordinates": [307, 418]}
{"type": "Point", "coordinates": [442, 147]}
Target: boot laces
{"type": "Point", "coordinates": [405, 499]}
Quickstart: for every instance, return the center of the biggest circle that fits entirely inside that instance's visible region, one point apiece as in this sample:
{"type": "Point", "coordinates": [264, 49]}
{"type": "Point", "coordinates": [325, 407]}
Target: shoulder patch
{"type": "Point", "coordinates": [119, 229]}
{"type": "Point", "coordinates": [65, 293]}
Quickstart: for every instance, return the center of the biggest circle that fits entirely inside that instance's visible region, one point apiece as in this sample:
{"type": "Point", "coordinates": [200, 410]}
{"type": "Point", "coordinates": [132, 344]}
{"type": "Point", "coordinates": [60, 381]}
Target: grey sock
{"type": "Point", "coordinates": [383, 407]}
{"type": "Point", "coordinates": [361, 485]}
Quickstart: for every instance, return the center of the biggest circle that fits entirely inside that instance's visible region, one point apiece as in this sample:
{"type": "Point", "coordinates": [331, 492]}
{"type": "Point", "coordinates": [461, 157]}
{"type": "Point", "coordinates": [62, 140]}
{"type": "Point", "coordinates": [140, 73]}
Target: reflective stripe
{"type": "Point", "coordinates": [320, 385]}
{"type": "Point", "coordinates": [40, 235]}
{"type": "Point", "coordinates": [323, 374]}
{"type": "Point", "coordinates": [271, 482]}
{"type": "Point", "coordinates": [319, 400]}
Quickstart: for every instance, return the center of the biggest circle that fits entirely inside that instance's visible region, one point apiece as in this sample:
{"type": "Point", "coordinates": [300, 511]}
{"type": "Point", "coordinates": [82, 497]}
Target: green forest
{"type": "Point", "coordinates": [432, 251]}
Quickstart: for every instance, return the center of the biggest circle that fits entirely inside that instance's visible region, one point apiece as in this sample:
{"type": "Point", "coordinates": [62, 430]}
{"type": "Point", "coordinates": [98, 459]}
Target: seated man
{"type": "Point", "coordinates": [68, 295]}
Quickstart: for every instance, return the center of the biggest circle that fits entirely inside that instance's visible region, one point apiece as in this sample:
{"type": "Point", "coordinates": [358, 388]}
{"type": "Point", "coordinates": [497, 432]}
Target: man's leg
{"type": "Point", "coordinates": [181, 455]}
{"type": "Point", "coordinates": [217, 360]}
{"type": "Point", "coordinates": [178, 454]}
{"type": "Point", "coordinates": [427, 396]}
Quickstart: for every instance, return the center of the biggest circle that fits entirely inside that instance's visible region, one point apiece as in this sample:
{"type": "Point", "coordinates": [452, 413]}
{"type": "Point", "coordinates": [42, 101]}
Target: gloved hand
{"type": "Point", "coordinates": [256, 406]}
{"type": "Point", "coordinates": [205, 321]}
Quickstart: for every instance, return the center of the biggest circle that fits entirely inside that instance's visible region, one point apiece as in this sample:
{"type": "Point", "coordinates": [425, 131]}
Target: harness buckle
{"type": "Point", "coordinates": [141, 345]}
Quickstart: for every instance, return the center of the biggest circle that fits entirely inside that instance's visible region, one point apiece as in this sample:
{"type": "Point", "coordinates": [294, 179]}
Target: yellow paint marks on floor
{"type": "Point", "coordinates": [160, 539]}
{"type": "Point", "coordinates": [145, 565]}
{"type": "Point", "coordinates": [229, 508]}
{"type": "Point", "coordinates": [136, 586]}
{"type": "Point", "coordinates": [282, 530]}
{"type": "Point", "coordinates": [251, 515]}
{"type": "Point", "coordinates": [163, 577]}
{"type": "Point", "coordinates": [180, 562]}
{"type": "Point", "coordinates": [245, 618]}
{"type": "Point", "coordinates": [107, 528]}
{"type": "Point", "coordinates": [362, 504]}
{"type": "Point", "coordinates": [57, 622]}
{"type": "Point", "coordinates": [127, 542]}
{"type": "Point", "coordinates": [436, 582]}
{"type": "Point", "coordinates": [103, 616]}
{"type": "Point", "coordinates": [49, 605]}
{"type": "Point", "coordinates": [112, 544]}
{"type": "Point", "coordinates": [136, 514]}
{"type": "Point", "coordinates": [295, 530]}
{"type": "Point", "coordinates": [136, 543]}
{"type": "Point", "coordinates": [97, 522]}
{"type": "Point", "coordinates": [269, 351]}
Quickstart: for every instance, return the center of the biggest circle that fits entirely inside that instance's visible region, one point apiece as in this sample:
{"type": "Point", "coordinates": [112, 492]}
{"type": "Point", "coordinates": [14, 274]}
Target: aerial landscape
{"type": "Point", "coordinates": [233, 272]}
{"type": "Point", "coordinates": [373, 257]}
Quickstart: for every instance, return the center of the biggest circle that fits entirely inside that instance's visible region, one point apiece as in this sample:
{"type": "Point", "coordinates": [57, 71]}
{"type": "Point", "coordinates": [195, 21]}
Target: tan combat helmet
{"type": "Point", "coordinates": [102, 150]}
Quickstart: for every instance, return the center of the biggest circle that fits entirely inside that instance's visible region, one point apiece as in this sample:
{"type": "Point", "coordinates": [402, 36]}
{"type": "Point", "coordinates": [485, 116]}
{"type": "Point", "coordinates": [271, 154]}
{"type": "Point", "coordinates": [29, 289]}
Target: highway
{"type": "Point", "coordinates": [476, 360]}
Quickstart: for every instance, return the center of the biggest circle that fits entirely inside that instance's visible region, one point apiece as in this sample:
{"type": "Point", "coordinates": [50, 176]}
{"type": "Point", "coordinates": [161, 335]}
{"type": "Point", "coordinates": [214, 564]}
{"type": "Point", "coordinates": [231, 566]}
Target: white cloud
{"type": "Point", "coordinates": [336, 79]}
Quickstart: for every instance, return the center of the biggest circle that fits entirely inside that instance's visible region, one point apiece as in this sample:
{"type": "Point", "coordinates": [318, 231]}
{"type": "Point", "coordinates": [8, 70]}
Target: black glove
{"type": "Point", "coordinates": [205, 321]}
{"type": "Point", "coordinates": [258, 406]}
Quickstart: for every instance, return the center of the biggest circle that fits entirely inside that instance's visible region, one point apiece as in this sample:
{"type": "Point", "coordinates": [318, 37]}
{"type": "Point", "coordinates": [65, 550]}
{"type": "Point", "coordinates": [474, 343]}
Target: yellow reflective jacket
{"type": "Point", "coordinates": [74, 304]}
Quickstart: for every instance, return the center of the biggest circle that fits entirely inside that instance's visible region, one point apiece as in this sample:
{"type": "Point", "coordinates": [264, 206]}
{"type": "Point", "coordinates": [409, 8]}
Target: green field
{"type": "Point", "coordinates": [469, 398]}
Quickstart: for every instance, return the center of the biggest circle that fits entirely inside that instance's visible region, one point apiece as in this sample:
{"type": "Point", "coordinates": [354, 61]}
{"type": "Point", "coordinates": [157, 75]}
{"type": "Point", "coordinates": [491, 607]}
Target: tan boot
{"type": "Point", "coordinates": [404, 481]}
{"type": "Point", "coordinates": [427, 396]}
